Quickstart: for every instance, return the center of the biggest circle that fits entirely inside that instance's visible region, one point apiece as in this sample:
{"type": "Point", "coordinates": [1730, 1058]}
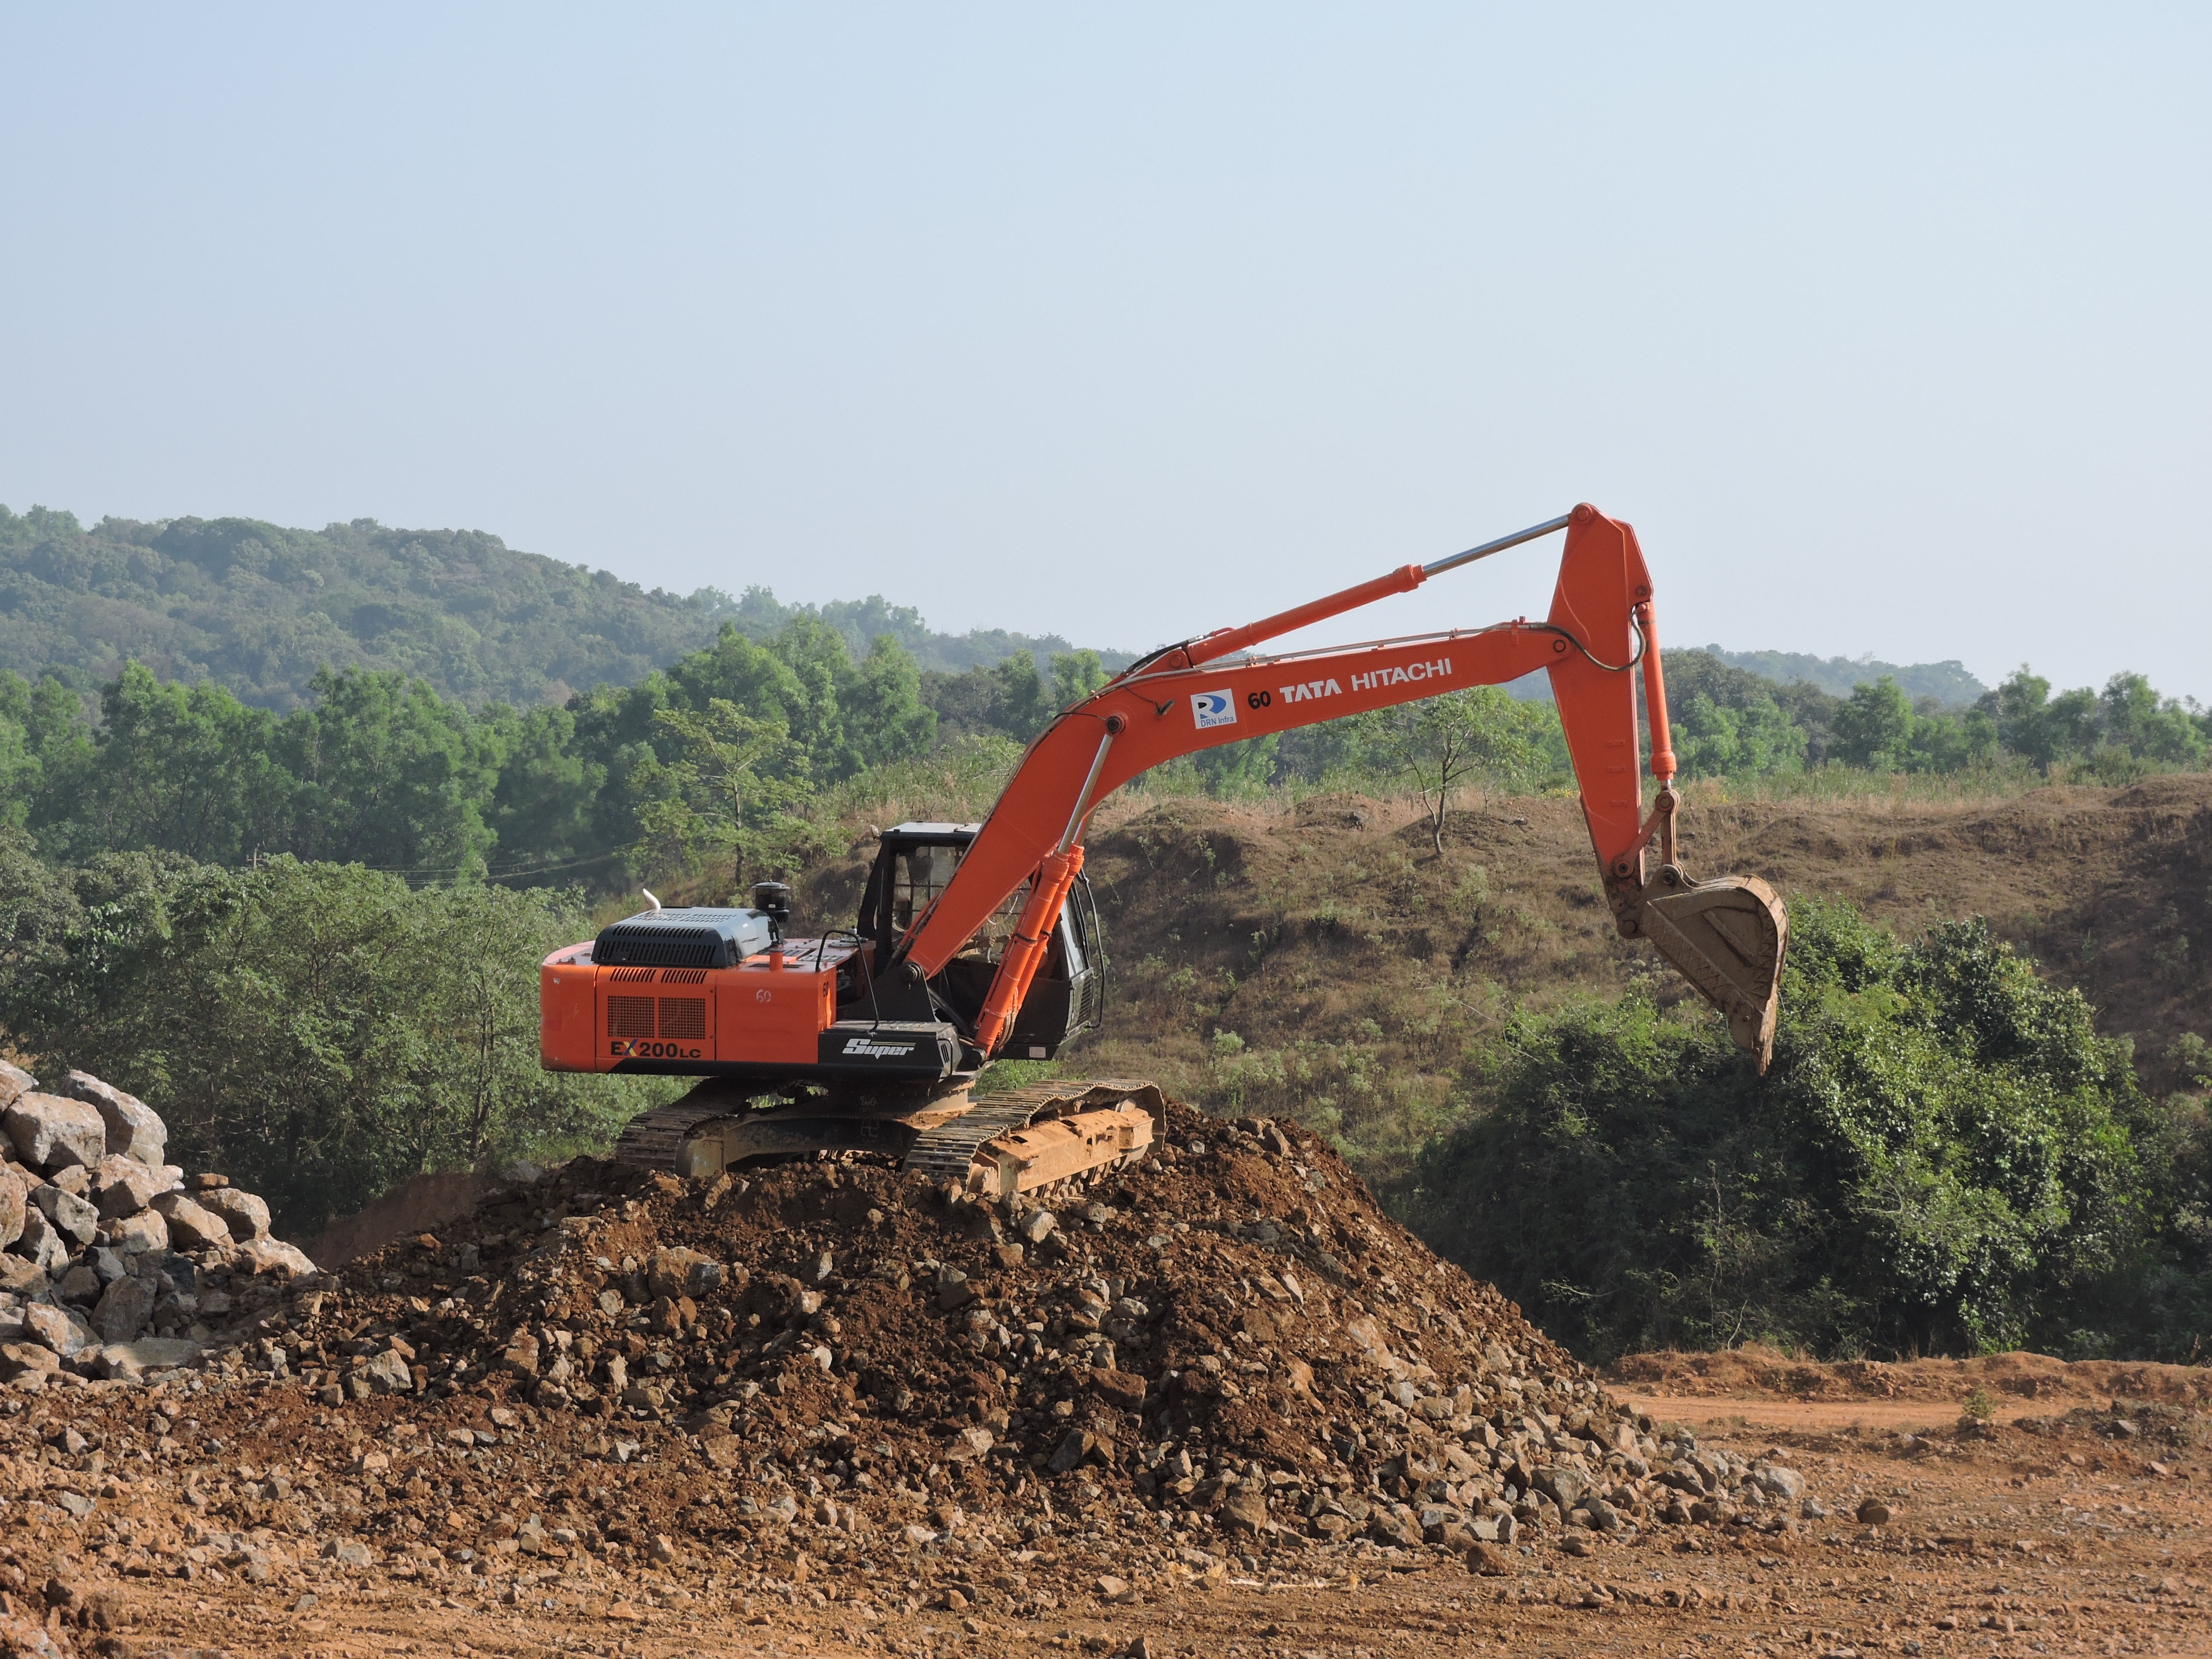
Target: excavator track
{"type": "Point", "coordinates": [947, 1153]}
{"type": "Point", "coordinates": [1026, 1138]}
{"type": "Point", "coordinates": [987, 1140]}
{"type": "Point", "coordinates": [651, 1139]}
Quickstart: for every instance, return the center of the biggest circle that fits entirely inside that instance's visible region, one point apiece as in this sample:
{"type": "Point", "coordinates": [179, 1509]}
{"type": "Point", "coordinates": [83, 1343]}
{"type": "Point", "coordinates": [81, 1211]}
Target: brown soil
{"type": "Point", "coordinates": [417, 1204]}
{"type": "Point", "coordinates": [2054, 1535]}
{"type": "Point", "coordinates": [2028, 1379]}
{"type": "Point", "coordinates": [744, 1497]}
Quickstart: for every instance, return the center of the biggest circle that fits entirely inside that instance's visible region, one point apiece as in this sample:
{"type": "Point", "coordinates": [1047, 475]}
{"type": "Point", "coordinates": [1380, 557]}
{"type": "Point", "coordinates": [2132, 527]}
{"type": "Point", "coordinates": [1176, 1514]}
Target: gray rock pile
{"type": "Point", "coordinates": [113, 1264]}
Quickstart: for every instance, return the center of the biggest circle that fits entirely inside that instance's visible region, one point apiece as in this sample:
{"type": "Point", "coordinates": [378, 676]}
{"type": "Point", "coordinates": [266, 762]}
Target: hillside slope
{"type": "Point", "coordinates": [259, 608]}
{"type": "Point", "coordinates": [1321, 962]}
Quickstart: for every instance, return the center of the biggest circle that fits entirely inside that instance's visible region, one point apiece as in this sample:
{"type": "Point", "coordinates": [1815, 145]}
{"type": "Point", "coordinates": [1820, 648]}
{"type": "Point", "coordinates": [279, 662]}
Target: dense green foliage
{"type": "Point", "coordinates": [262, 610]}
{"type": "Point", "coordinates": [404, 699]}
{"type": "Point", "coordinates": [861, 623]}
{"type": "Point", "coordinates": [1728, 722]}
{"type": "Point", "coordinates": [377, 769]}
{"type": "Point", "coordinates": [381, 770]}
{"type": "Point", "coordinates": [320, 1032]}
{"type": "Point", "coordinates": [1944, 1158]}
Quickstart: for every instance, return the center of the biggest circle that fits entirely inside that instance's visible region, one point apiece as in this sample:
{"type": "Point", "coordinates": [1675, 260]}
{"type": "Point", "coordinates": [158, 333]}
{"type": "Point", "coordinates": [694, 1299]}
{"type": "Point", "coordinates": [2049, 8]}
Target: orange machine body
{"type": "Point", "coordinates": [919, 1002]}
{"type": "Point", "coordinates": [769, 1012]}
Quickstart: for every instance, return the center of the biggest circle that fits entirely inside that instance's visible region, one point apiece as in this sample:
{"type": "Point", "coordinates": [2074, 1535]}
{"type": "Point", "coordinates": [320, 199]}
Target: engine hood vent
{"type": "Point", "coordinates": [696, 936]}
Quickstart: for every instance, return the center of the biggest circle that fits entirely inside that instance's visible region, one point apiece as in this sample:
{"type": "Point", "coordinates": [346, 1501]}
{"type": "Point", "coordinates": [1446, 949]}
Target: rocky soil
{"type": "Point", "coordinates": [1227, 1343]}
{"type": "Point", "coordinates": [1214, 1405]}
{"type": "Point", "coordinates": [1223, 1358]}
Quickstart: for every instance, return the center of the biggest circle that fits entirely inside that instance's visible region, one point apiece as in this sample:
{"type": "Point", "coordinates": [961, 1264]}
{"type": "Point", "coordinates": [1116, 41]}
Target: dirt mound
{"type": "Point", "coordinates": [1230, 1338]}
{"type": "Point", "coordinates": [1227, 1351]}
{"type": "Point", "coordinates": [1767, 1373]}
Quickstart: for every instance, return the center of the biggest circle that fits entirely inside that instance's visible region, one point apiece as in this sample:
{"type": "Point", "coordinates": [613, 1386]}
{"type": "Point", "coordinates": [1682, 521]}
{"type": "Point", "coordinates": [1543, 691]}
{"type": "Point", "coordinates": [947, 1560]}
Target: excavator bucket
{"type": "Point", "coordinates": [1727, 936]}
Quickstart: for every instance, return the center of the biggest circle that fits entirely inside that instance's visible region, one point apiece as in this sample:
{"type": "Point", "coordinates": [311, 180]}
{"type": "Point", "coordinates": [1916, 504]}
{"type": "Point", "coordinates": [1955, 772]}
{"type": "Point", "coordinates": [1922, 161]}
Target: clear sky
{"type": "Point", "coordinates": [1886, 326]}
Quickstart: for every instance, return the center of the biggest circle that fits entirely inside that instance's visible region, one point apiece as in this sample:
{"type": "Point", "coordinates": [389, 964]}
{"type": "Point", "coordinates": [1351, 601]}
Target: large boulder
{"type": "Point", "coordinates": [14, 1194]}
{"type": "Point", "coordinates": [52, 1133]}
{"type": "Point", "coordinates": [247, 1216]}
{"type": "Point", "coordinates": [17, 1359]}
{"type": "Point", "coordinates": [124, 1310]}
{"type": "Point", "coordinates": [70, 1214]}
{"type": "Point", "coordinates": [81, 1284]}
{"type": "Point", "coordinates": [680, 1271]}
{"type": "Point", "coordinates": [135, 1235]}
{"type": "Point", "coordinates": [191, 1226]}
{"type": "Point", "coordinates": [20, 1276]}
{"type": "Point", "coordinates": [130, 1361]}
{"type": "Point", "coordinates": [274, 1256]}
{"type": "Point", "coordinates": [14, 1080]}
{"type": "Point", "coordinates": [133, 1129]}
{"type": "Point", "coordinates": [42, 1244]}
{"type": "Point", "coordinates": [64, 1330]}
{"type": "Point", "coordinates": [123, 1186]}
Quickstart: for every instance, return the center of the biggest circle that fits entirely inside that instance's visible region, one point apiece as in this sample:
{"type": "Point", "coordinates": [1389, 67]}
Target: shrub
{"type": "Point", "coordinates": [1941, 1159]}
{"type": "Point", "coordinates": [319, 1032]}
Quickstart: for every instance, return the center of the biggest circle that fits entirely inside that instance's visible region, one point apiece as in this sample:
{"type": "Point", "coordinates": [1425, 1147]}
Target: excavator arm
{"type": "Point", "coordinates": [1726, 935]}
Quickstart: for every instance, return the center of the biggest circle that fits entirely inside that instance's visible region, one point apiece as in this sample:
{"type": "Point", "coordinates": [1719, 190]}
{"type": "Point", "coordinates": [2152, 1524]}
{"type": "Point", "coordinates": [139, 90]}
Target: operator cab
{"type": "Point", "coordinates": [914, 863]}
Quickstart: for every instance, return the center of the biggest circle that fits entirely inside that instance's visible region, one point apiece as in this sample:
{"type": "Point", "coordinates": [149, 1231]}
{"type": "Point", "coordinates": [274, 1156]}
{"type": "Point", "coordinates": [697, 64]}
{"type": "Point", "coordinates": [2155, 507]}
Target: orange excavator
{"type": "Point", "coordinates": [980, 941]}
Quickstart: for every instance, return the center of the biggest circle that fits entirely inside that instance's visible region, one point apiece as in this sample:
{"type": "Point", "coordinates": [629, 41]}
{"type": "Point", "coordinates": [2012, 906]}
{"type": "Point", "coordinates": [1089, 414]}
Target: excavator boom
{"type": "Point", "coordinates": [1727, 936]}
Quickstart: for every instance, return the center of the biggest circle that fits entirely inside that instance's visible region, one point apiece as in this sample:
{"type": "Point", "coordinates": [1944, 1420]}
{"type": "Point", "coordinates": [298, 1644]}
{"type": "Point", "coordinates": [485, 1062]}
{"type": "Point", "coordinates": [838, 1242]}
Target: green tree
{"type": "Point", "coordinates": [2072, 725]}
{"type": "Point", "coordinates": [1752, 739]}
{"type": "Point", "coordinates": [42, 742]}
{"type": "Point", "coordinates": [1442, 741]}
{"type": "Point", "coordinates": [1948, 741]}
{"type": "Point", "coordinates": [187, 769]}
{"type": "Point", "coordinates": [735, 788]}
{"type": "Point", "coordinates": [391, 774]}
{"type": "Point", "coordinates": [1873, 728]}
{"type": "Point", "coordinates": [1075, 676]}
{"type": "Point", "coordinates": [822, 668]}
{"type": "Point", "coordinates": [2150, 728]}
{"type": "Point", "coordinates": [882, 712]}
{"type": "Point", "coordinates": [1019, 709]}
{"type": "Point", "coordinates": [544, 808]}
{"type": "Point", "coordinates": [2022, 707]}
{"type": "Point", "coordinates": [318, 1032]}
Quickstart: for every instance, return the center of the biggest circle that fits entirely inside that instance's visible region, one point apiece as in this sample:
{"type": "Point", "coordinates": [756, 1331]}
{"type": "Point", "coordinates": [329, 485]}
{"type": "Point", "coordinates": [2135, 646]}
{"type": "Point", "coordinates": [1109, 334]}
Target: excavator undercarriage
{"type": "Point", "coordinates": [979, 942]}
{"type": "Point", "coordinates": [1026, 1139]}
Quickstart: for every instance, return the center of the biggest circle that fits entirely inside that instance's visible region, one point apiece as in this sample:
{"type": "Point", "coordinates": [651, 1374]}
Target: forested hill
{"type": "Point", "coordinates": [258, 609]}
{"type": "Point", "coordinates": [1948, 682]}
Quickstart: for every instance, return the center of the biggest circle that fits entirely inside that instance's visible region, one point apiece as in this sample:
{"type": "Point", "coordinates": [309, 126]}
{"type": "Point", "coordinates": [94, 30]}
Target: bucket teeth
{"type": "Point", "coordinates": [1727, 936]}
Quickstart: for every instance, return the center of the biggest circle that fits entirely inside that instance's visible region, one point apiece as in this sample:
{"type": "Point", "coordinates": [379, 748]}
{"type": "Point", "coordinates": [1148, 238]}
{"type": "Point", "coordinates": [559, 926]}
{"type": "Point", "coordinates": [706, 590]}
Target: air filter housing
{"type": "Point", "coordinates": [696, 936]}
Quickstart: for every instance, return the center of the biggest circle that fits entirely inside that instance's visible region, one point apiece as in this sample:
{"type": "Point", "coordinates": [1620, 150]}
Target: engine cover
{"type": "Point", "coordinates": [696, 936]}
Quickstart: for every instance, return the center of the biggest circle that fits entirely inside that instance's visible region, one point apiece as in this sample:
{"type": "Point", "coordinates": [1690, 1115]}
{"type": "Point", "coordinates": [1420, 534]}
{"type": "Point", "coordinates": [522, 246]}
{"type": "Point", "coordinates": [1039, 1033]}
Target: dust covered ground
{"type": "Point", "coordinates": [2061, 1538]}
{"type": "Point", "coordinates": [1217, 1404]}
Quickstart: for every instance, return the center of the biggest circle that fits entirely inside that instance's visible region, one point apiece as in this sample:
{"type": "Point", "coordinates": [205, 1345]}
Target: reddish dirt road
{"type": "Point", "coordinates": [2085, 1533]}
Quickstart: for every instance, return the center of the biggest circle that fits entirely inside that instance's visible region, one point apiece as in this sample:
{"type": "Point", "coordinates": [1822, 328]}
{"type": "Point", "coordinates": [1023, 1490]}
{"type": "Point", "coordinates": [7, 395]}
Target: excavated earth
{"type": "Point", "coordinates": [1214, 1405]}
